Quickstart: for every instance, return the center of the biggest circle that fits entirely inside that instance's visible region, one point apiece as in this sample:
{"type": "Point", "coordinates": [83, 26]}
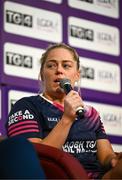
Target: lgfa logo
{"type": "Point", "coordinates": [107, 3]}
{"type": "Point", "coordinates": [106, 38]}
{"type": "Point", "coordinates": [47, 24]}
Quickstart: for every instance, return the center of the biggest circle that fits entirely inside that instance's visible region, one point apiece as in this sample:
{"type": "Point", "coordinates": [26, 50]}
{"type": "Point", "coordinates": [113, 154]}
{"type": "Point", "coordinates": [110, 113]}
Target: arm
{"type": "Point", "coordinates": [105, 153]}
{"type": "Point", "coordinates": [59, 133]}
{"type": "Point", "coordinates": [111, 161]}
{"type": "Point", "coordinates": [57, 136]}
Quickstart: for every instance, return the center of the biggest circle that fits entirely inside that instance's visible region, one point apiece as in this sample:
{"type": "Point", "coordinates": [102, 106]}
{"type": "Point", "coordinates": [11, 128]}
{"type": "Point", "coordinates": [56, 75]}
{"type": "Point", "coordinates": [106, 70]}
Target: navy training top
{"type": "Point", "coordinates": [35, 116]}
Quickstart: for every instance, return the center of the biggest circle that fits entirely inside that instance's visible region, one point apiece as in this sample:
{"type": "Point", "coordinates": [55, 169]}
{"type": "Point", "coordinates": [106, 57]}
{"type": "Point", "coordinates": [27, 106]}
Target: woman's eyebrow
{"type": "Point", "coordinates": [51, 60]}
{"type": "Point", "coordinates": [64, 60]}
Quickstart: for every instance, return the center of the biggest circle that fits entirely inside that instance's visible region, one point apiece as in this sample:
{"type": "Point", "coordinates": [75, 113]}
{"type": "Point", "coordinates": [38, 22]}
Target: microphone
{"type": "Point", "coordinates": [66, 86]}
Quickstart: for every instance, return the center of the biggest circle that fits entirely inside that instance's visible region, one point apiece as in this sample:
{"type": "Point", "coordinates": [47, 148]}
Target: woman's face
{"type": "Point", "coordinates": [59, 64]}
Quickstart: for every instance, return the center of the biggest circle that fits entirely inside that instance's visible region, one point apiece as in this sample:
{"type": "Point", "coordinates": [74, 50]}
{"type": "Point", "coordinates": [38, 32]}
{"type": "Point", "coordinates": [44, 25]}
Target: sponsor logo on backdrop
{"type": "Point", "coordinates": [18, 58]}
{"type": "Point", "coordinates": [108, 8]}
{"type": "Point", "coordinates": [107, 76]}
{"type": "Point", "coordinates": [99, 75]}
{"type": "Point", "coordinates": [19, 18]}
{"type": "Point", "coordinates": [93, 36]}
{"type": "Point", "coordinates": [87, 72]}
{"type": "Point", "coordinates": [88, 1]}
{"type": "Point", "coordinates": [111, 116]}
{"type": "Point", "coordinates": [54, 1]}
{"type": "Point", "coordinates": [104, 3]}
{"type": "Point", "coordinates": [33, 22]}
{"type": "Point", "coordinates": [107, 3]}
{"type": "Point", "coordinates": [82, 33]}
{"type": "Point", "coordinates": [47, 25]}
{"type": "Point", "coordinates": [106, 38]}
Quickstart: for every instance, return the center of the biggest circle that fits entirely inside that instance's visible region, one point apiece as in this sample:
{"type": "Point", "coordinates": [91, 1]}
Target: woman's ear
{"type": "Point", "coordinates": [40, 76]}
{"type": "Point", "coordinates": [78, 75]}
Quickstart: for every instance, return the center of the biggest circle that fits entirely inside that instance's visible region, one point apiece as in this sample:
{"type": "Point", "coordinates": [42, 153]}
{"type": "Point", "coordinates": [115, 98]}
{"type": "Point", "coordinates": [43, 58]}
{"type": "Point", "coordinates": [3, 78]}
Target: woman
{"type": "Point", "coordinates": [50, 118]}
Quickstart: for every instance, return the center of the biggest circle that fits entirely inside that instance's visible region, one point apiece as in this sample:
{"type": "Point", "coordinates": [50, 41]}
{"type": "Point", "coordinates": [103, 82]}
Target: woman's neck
{"type": "Point", "coordinates": [57, 99]}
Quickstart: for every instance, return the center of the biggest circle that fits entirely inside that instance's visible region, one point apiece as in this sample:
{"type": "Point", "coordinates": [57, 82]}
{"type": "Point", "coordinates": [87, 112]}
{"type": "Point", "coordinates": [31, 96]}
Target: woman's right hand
{"type": "Point", "coordinates": [71, 102]}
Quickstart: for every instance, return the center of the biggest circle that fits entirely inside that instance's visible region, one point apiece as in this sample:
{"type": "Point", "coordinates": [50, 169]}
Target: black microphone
{"type": "Point", "coordinates": [66, 86]}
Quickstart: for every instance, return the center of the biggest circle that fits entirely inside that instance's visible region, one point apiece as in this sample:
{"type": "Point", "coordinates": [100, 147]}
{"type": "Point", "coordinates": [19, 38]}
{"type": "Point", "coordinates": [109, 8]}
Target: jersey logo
{"type": "Point", "coordinates": [19, 116]}
{"type": "Point", "coordinates": [79, 146]}
{"type": "Point", "coordinates": [53, 119]}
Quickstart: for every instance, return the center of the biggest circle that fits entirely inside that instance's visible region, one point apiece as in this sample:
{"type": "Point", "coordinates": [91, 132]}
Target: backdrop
{"type": "Point", "coordinates": [93, 27]}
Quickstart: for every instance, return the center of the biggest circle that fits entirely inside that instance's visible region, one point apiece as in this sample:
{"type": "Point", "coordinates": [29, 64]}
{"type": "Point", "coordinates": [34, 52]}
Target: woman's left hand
{"type": "Point", "coordinates": [115, 160]}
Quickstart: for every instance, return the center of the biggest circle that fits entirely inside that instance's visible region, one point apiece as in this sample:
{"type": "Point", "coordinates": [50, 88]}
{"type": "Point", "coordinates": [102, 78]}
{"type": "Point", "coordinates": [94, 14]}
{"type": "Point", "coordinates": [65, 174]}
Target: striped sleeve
{"type": "Point", "coordinates": [23, 120]}
{"type": "Point", "coordinates": [95, 122]}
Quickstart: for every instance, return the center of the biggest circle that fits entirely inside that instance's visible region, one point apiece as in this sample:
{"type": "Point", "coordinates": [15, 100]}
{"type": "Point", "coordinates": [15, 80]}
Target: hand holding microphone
{"type": "Point", "coordinates": [66, 86]}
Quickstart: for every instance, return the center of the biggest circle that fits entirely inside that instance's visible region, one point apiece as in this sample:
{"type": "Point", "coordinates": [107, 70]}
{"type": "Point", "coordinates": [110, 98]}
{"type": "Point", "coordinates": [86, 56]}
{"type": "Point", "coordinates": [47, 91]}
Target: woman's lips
{"type": "Point", "coordinates": [57, 80]}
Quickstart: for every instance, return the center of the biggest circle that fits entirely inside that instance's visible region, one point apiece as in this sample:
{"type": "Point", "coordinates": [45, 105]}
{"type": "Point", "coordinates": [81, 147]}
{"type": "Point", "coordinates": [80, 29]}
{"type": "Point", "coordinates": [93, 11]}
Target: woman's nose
{"type": "Point", "coordinates": [59, 69]}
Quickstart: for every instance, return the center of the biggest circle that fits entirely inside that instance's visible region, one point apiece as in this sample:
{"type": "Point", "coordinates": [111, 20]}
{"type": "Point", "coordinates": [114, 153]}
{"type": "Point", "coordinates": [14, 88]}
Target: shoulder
{"type": "Point", "coordinates": [25, 103]}
{"type": "Point", "coordinates": [94, 118]}
{"type": "Point", "coordinates": [90, 111]}
{"type": "Point", "coordinates": [23, 109]}
{"type": "Point", "coordinates": [26, 100]}
{"type": "Point", "coordinates": [29, 98]}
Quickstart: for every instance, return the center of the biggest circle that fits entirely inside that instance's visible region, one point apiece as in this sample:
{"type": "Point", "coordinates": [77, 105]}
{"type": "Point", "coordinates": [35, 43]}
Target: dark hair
{"type": "Point", "coordinates": [59, 45]}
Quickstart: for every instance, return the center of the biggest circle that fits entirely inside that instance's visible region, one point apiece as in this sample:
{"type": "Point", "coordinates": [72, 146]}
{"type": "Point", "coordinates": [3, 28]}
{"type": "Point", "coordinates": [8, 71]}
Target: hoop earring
{"type": "Point", "coordinates": [40, 84]}
{"type": "Point", "coordinates": [78, 86]}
